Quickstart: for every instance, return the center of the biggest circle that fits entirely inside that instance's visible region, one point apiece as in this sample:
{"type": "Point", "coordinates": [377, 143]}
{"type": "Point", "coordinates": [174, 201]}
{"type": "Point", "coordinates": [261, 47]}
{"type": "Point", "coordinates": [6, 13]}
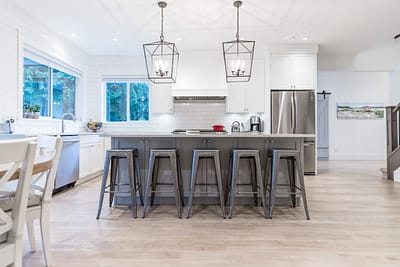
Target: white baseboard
{"type": "Point", "coordinates": [345, 156]}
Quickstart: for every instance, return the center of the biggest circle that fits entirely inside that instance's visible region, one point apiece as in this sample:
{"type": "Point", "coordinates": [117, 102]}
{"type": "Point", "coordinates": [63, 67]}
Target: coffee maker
{"type": "Point", "coordinates": [255, 124]}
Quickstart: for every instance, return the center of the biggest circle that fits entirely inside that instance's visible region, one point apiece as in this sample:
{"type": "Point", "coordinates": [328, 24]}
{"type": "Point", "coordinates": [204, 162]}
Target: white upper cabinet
{"type": "Point", "coordinates": [293, 71]}
{"type": "Point", "coordinates": [161, 99]}
{"type": "Point", "coordinates": [200, 74]}
{"type": "Point", "coordinates": [246, 97]}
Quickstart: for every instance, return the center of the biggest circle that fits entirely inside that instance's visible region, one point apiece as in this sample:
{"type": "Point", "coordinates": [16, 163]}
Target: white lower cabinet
{"type": "Point", "coordinates": [91, 158]}
{"type": "Point", "coordinates": [244, 97]}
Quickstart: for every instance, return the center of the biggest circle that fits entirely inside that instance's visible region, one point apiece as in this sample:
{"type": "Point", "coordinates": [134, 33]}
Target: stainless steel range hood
{"type": "Point", "coordinates": [199, 99]}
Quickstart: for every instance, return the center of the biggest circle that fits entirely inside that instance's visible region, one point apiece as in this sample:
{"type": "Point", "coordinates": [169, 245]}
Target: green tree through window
{"type": "Point", "coordinates": [53, 90]}
{"type": "Point", "coordinates": [117, 97]}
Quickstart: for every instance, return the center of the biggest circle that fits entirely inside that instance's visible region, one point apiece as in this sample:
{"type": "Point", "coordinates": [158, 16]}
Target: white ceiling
{"type": "Point", "coordinates": [338, 26]}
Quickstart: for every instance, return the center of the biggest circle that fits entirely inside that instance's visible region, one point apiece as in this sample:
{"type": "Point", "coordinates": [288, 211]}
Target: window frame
{"type": "Point", "coordinates": [49, 61]}
{"type": "Point", "coordinates": [128, 80]}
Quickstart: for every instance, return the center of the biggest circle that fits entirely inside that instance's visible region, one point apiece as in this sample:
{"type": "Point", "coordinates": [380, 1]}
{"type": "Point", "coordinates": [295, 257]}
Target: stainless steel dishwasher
{"type": "Point", "coordinates": [68, 168]}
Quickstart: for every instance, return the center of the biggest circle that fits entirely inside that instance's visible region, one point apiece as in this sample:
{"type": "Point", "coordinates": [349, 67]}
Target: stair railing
{"type": "Point", "coordinates": [392, 139]}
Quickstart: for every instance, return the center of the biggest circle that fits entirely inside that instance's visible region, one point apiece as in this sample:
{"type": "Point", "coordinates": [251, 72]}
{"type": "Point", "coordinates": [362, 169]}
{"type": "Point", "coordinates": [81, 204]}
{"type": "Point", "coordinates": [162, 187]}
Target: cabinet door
{"type": "Point", "coordinates": [84, 161]}
{"type": "Point", "coordinates": [91, 158]}
{"type": "Point", "coordinates": [280, 71]}
{"type": "Point", "coordinates": [246, 97]}
{"type": "Point", "coordinates": [161, 99]}
{"type": "Point", "coordinates": [256, 87]}
{"type": "Point", "coordinates": [236, 100]}
{"type": "Point", "coordinates": [302, 71]}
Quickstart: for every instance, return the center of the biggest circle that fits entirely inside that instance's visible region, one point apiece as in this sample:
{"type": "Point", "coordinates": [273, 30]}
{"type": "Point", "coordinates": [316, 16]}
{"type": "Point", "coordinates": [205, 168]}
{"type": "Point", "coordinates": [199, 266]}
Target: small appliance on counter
{"type": "Point", "coordinates": [235, 127]}
{"type": "Point", "coordinates": [255, 124]}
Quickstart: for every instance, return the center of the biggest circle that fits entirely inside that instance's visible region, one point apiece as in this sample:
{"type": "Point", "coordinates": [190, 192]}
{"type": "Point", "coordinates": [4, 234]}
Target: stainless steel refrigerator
{"type": "Point", "coordinates": [293, 112]}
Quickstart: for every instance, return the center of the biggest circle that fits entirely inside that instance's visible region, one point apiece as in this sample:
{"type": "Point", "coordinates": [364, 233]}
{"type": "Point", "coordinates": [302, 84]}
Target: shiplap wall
{"type": "Point", "coordinates": [19, 29]}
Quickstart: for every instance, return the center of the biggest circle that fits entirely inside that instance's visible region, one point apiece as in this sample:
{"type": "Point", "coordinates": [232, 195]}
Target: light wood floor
{"type": "Point", "coordinates": [355, 221]}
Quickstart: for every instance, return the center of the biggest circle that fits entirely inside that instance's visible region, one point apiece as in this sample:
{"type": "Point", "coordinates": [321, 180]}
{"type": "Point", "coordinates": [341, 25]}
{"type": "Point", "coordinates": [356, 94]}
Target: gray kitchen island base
{"type": "Point", "coordinates": [185, 143]}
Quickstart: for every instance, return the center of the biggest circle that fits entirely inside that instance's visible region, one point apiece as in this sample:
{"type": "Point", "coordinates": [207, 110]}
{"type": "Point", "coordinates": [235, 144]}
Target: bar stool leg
{"type": "Point", "coordinates": [217, 164]}
{"type": "Point", "coordinates": [148, 183]}
{"type": "Point", "coordinates": [258, 175]}
{"type": "Point", "coordinates": [103, 183]}
{"type": "Point", "coordinates": [228, 184]}
{"type": "Point", "coordinates": [274, 178]}
{"type": "Point", "coordinates": [178, 163]}
{"type": "Point", "coordinates": [132, 182]}
{"type": "Point", "coordinates": [292, 179]}
{"type": "Point", "coordinates": [252, 167]}
{"type": "Point", "coordinates": [138, 179]}
{"type": "Point", "coordinates": [303, 187]}
{"type": "Point", "coordinates": [235, 169]}
{"type": "Point", "coordinates": [193, 177]}
{"type": "Point", "coordinates": [154, 180]}
{"type": "Point", "coordinates": [176, 184]}
{"type": "Point", "coordinates": [113, 177]}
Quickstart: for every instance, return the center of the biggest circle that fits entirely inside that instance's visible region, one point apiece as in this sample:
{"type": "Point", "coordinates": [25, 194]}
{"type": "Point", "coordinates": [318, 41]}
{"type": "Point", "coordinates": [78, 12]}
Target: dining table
{"type": "Point", "coordinates": [43, 162]}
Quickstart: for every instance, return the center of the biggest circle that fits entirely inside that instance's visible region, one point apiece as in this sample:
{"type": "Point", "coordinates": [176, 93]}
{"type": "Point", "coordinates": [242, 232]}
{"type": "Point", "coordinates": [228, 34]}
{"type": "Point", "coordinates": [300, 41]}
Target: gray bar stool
{"type": "Point", "coordinates": [292, 158]}
{"type": "Point", "coordinates": [198, 155]}
{"type": "Point", "coordinates": [113, 156]}
{"type": "Point", "coordinates": [257, 182]}
{"type": "Point", "coordinates": [152, 176]}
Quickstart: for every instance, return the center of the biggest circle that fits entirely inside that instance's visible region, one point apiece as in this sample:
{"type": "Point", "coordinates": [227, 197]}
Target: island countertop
{"type": "Point", "coordinates": [206, 135]}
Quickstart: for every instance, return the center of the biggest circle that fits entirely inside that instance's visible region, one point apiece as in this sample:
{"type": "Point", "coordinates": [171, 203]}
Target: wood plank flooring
{"type": "Point", "coordinates": [355, 221]}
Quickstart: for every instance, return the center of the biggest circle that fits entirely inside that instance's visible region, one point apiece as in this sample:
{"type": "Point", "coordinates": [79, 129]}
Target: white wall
{"type": "Point", "coordinates": [186, 115]}
{"type": "Point", "coordinates": [18, 29]}
{"type": "Point", "coordinates": [355, 139]}
{"type": "Point", "coordinates": [394, 92]}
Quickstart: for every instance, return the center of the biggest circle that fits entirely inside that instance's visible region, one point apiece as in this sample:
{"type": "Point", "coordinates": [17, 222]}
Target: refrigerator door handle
{"type": "Point", "coordinates": [292, 113]}
{"type": "Point", "coordinates": [295, 112]}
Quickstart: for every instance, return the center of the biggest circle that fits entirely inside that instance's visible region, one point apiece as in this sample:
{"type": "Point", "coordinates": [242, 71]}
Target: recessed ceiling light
{"type": "Point", "coordinates": [115, 39]}
{"type": "Point", "coordinates": [44, 36]}
{"type": "Point", "coordinates": [289, 38]}
{"type": "Point", "coordinates": [179, 39]}
{"type": "Point", "coordinates": [305, 38]}
{"type": "Point", "coordinates": [73, 35]}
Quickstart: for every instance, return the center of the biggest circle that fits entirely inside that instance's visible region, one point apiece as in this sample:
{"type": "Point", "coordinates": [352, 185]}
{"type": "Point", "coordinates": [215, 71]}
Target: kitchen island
{"type": "Point", "coordinates": [186, 142]}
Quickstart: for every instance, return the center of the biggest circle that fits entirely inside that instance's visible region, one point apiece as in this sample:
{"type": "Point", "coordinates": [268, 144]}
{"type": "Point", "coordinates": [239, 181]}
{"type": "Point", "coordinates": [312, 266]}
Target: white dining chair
{"type": "Point", "coordinates": [43, 184]}
{"type": "Point", "coordinates": [14, 155]}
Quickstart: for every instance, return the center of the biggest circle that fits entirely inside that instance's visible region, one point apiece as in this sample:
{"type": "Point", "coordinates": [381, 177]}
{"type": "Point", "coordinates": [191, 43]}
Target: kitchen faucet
{"type": "Point", "coordinates": [10, 125]}
{"type": "Point", "coordinates": [62, 120]}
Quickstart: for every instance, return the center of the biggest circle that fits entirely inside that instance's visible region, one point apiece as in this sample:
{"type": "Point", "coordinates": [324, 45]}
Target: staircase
{"type": "Point", "coordinates": [392, 139]}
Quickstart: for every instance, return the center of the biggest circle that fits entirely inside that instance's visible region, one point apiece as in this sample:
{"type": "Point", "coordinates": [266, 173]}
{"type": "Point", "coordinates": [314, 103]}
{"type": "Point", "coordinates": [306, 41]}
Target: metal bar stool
{"type": "Point", "coordinates": [292, 158]}
{"type": "Point", "coordinates": [198, 155]}
{"type": "Point", "coordinates": [114, 156]}
{"type": "Point", "coordinates": [152, 176]}
{"type": "Point", "coordinates": [257, 182]}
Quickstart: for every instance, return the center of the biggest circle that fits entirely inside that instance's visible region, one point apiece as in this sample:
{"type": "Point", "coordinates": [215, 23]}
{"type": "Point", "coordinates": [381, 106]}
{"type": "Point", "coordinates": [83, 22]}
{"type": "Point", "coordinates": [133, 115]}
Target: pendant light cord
{"type": "Point", "coordinates": [237, 24]}
{"type": "Point", "coordinates": [162, 24]}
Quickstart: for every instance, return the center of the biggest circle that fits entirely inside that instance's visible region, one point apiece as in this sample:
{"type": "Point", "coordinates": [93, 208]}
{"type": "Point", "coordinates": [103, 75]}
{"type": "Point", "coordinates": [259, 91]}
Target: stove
{"type": "Point", "coordinates": [197, 131]}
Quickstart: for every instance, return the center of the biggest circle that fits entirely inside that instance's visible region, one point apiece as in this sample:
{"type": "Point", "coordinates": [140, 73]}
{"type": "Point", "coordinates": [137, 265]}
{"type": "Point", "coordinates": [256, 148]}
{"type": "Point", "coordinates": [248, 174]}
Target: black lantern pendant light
{"type": "Point", "coordinates": [161, 57]}
{"type": "Point", "coordinates": [238, 55]}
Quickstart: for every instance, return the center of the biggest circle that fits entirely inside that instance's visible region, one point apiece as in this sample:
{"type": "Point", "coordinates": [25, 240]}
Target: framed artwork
{"type": "Point", "coordinates": [360, 110]}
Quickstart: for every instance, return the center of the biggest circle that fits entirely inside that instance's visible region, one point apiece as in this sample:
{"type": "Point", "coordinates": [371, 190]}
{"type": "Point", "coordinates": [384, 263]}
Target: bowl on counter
{"type": "Point", "coordinates": [218, 128]}
{"type": "Point", "coordinates": [94, 125]}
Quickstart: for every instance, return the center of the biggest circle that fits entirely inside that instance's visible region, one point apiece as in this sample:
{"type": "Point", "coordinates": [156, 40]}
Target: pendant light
{"type": "Point", "coordinates": [161, 57]}
{"type": "Point", "coordinates": [238, 55]}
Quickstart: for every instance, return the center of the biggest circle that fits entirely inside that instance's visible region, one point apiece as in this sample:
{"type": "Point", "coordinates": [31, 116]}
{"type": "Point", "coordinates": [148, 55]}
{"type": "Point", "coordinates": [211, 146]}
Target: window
{"type": "Point", "coordinates": [127, 101]}
{"type": "Point", "coordinates": [48, 88]}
